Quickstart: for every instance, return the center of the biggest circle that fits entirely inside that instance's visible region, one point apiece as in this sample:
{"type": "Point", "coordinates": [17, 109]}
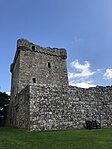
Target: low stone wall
{"type": "Point", "coordinates": [60, 107]}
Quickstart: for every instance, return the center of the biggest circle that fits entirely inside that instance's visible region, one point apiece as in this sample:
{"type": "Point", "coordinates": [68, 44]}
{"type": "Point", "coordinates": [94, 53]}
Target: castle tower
{"type": "Point", "coordinates": [37, 65]}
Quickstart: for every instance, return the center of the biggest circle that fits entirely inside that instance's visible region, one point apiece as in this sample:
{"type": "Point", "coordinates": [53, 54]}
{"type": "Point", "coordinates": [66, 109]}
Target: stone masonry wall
{"type": "Point", "coordinates": [59, 107]}
{"type": "Point", "coordinates": [35, 65]}
{"type": "Point", "coordinates": [44, 65]}
{"type": "Point", "coordinates": [14, 90]}
{"type": "Point", "coordinates": [21, 117]}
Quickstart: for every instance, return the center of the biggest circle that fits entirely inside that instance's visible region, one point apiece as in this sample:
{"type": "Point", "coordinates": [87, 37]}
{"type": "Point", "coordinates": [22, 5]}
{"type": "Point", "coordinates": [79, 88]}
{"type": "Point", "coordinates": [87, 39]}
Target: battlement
{"type": "Point", "coordinates": [25, 45]}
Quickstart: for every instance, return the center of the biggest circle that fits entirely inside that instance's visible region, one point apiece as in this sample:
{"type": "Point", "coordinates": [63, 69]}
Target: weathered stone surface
{"type": "Point", "coordinates": [60, 107]}
{"type": "Point", "coordinates": [49, 102]}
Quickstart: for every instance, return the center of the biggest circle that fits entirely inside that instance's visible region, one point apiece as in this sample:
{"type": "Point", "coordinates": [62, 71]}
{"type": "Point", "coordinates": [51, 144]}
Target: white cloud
{"type": "Point", "coordinates": [80, 74]}
{"type": "Point", "coordinates": [8, 93]}
{"type": "Point", "coordinates": [82, 70]}
{"type": "Point", "coordinates": [85, 84]}
{"type": "Point", "coordinates": [108, 74]}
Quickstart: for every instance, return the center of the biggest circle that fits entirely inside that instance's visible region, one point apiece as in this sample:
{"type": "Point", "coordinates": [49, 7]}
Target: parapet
{"type": "Point", "coordinates": [24, 44]}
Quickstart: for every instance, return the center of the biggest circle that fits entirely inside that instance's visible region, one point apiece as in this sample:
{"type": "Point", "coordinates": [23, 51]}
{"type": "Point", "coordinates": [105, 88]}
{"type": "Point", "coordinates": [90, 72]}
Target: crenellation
{"type": "Point", "coordinates": [24, 44]}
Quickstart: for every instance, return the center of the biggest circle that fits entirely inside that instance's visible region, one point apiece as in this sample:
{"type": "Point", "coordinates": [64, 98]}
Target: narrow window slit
{"type": "Point", "coordinates": [49, 65]}
{"type": "Point", "coordinates": [34, 80]}
{"type": "Point", "coordinates": [33, 48]}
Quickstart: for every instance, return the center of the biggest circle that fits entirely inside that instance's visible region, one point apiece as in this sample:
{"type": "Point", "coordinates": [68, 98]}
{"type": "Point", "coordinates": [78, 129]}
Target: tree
{"type": "Point", "coordinates": [4, 103]}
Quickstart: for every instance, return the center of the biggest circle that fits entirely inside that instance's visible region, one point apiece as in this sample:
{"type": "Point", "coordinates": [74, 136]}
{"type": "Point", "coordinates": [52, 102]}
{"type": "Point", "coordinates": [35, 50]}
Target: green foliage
{"type": "Point", "coordinates": [4, 102]}
{"type": "Point", "coordinates": [12, 138]}
{"type": "Point", "coordinates": [4, 99]}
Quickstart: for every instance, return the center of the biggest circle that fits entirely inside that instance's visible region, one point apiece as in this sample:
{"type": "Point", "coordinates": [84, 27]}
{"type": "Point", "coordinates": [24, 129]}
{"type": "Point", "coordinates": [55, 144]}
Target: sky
{"type": "Point", "coordinates": [83, 27]}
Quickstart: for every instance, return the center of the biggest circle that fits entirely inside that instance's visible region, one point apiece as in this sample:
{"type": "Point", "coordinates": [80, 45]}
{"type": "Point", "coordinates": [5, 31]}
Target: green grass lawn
{"type": "Point", "coordinates": [12, 138]}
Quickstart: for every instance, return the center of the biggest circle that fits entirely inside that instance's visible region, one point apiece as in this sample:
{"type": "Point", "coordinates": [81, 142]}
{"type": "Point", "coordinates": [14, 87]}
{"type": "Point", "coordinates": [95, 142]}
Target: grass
{"type": "Point", "coordinates": [12, 138]}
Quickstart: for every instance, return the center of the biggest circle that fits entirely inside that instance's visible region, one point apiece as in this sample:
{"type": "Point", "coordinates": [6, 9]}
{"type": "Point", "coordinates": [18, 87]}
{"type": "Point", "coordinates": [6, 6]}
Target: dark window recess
{"type": "Point", "coordinates": [49, 65]}
{"type": "Point", "coordinates": [33, 47]}
{"type": "Point", "coordinates": [34, 80]}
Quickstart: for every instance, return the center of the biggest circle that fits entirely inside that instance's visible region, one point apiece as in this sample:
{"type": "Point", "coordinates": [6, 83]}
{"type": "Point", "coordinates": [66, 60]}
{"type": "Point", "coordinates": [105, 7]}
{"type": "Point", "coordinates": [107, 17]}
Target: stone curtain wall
{"type": "Point", "coordinates": [60, 107]}
{"type": "Point", "coordinates": [22, 109]}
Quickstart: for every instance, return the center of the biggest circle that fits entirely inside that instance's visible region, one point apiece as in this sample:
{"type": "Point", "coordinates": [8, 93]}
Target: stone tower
{"type": "Point", "coordinates": [35, 64]}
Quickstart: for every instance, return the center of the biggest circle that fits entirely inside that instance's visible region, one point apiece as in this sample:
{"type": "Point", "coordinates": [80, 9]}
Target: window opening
{"type": "Point", "coordinates": [33, 47]}
{"type": "Point", "coordinates": [34, 80]}
{"type": "Point", "coordinates": [49, 65]}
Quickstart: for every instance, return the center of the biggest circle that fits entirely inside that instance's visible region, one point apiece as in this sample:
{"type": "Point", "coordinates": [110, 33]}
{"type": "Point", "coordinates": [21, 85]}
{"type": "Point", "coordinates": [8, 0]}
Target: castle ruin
{"type": "Point", "coordinates": [41, 98]}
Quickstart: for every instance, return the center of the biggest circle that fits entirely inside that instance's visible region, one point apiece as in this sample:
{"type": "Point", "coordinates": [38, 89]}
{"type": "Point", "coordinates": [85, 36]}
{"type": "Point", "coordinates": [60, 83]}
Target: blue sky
{"type": "Point", "coordinates": [83, 27]}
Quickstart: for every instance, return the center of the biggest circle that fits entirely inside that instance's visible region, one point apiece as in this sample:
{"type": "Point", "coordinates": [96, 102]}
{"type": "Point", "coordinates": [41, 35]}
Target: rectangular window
{"type": "Point", "coordinates": [49, 65]}
{"type": "Point", "coordinates": [33, 48]}
{"type": "Point", "coordinates": [34, 80]}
